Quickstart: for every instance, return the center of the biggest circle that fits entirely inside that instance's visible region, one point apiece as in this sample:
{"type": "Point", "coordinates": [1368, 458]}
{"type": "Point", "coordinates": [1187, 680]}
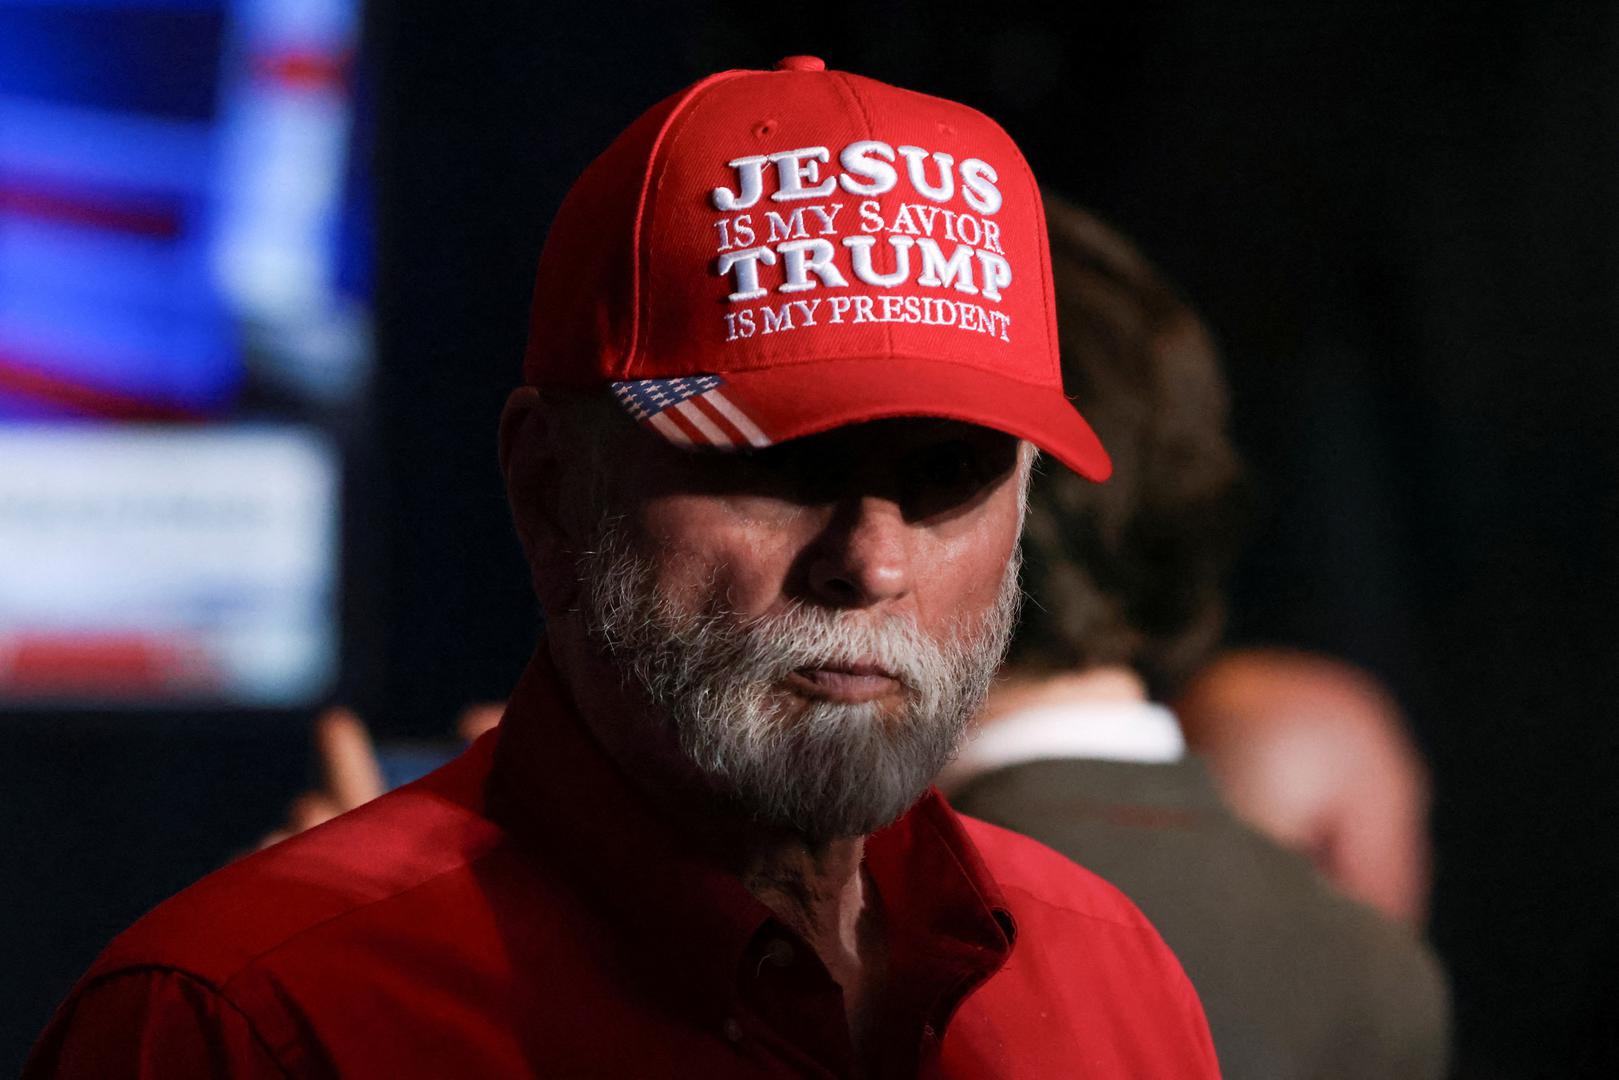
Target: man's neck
{"type": "Point", "coordinates": [827, 897]}
{"type": "Point", "coordinates": [819, 892]}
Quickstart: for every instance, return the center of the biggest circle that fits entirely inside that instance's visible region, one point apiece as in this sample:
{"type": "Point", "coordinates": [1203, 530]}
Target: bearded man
{"type": "Point", "coordinates": [770, 483]}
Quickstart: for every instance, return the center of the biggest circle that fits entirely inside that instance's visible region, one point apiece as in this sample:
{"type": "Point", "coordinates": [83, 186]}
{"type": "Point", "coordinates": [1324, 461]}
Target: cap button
{"type": "Point", "coordinates": [801, 63]}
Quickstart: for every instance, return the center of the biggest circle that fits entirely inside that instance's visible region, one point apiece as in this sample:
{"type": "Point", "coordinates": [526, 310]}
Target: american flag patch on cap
{"type": "Point", "coordinates": [690, 411]}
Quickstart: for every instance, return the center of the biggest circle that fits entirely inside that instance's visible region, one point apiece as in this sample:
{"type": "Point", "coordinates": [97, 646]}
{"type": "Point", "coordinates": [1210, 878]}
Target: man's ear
{"type": "Point", "coordinates": [533, 469]}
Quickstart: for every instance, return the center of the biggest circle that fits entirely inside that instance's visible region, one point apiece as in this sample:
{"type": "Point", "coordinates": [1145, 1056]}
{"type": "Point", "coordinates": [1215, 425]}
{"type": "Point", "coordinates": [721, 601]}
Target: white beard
{"type": "Point", "coordinates": [823, 771]}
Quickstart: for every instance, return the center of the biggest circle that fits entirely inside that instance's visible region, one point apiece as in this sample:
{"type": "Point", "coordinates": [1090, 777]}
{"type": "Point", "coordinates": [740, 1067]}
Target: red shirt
{"type": "Point", "coordinates": [521, 912]}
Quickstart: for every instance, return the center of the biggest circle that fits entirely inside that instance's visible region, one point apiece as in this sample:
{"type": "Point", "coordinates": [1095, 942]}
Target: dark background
{"type": "Point", "coordinates": [1402, 223]}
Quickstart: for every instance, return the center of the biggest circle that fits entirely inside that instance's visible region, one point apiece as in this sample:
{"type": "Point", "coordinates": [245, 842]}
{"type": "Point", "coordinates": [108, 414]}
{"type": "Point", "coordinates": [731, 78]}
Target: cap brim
{"type": "Point", "coordinates": [789, 402]}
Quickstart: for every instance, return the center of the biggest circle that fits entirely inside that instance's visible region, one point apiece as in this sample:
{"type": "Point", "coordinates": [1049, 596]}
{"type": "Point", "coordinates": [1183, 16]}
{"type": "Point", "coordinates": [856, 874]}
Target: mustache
{"type": "Point", "coordinates": [802, 637]}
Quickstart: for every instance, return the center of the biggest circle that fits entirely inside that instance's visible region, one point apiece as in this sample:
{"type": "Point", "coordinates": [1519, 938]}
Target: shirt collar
{"type": "Point", "coordinates": [949, 926]}
{"type": "Point", "coordinates": [1141, 732]}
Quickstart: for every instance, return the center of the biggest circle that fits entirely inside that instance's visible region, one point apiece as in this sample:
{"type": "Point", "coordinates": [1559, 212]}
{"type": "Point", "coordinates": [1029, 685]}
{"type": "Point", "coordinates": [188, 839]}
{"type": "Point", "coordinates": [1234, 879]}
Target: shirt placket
{"type": "Point", "coordinates": [790, 1011]}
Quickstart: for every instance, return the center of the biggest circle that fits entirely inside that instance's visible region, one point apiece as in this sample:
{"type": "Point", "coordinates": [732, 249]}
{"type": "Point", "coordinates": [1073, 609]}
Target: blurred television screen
{"type": "Point", "coordinates": [184, 335]}
{"type": "Point", "coordinates": [139, 564]}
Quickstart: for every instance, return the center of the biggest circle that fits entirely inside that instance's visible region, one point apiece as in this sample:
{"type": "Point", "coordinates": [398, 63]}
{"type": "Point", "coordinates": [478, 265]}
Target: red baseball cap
{"type": "Point", "coordinates": [770, 254]}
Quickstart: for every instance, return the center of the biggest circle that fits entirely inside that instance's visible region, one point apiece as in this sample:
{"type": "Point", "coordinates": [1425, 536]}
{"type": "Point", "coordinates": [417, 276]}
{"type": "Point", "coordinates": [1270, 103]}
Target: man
{"type": "Point", "coordinates": [1126, 581]}
{"type": "Point", "coordinates": [790, 334]}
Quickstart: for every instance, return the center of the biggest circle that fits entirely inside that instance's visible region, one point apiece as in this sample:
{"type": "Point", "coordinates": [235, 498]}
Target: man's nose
{"type": "Point", "coordinates": [864, 556]}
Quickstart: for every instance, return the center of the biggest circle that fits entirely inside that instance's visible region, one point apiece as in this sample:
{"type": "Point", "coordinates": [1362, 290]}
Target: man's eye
{"type": "Point", "coordinates": [790, 470]}
{"type": "Point", "coordinates": [955, 470]}
{"type": "Point", "coordinates": [951, 466]}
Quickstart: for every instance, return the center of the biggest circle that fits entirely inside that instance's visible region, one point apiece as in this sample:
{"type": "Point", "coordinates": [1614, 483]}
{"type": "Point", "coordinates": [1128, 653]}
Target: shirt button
{"type": "Point", "coordinates": [733, 1030]}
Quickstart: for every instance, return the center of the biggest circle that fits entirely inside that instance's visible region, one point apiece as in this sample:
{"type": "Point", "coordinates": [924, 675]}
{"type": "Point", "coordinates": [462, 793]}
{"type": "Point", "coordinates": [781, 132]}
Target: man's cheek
{"type": "Point", "coordinates": [745, 588]}
{"type": "Point", "coordinates": [978, 571]}
{"type": "Point", "coordinates": [703, 583]}
{"type": "Point", "coordinates": [745, 572]}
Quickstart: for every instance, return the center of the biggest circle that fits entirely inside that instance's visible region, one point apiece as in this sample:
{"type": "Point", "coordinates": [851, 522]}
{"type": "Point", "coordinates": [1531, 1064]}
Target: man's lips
{"type": "Point", "coordinates": [852, 683]}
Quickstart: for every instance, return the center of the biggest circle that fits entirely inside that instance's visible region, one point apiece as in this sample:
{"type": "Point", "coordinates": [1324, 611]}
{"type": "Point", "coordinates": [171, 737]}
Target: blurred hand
{"type": "Point", "coordinates": [350, 769]}
{"type": "Point", "coordinates": [350, 773]}
{"type": "Point", "coordinates": [1314, 752]}
{"type": "Point", "coordinates": [478, 718]}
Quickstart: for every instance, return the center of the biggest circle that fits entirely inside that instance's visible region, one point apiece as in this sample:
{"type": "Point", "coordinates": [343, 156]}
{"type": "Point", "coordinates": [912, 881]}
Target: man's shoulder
{"type": "Point", "coordinates": [1085, 949]}
{"type": "Point", "coordinates": [341, 871]}
{"type": "Point", "coordinates": [1039, 874]}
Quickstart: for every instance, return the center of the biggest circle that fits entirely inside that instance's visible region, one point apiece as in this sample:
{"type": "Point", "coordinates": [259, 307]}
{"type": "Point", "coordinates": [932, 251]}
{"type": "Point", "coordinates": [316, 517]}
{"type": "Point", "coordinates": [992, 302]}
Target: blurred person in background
{"type": "Point", "coordinates": [703, 840]}
{"type": "Point", "coordinates": [1125, 587]}
{"type": "Point", "coordinates": [1315, 753]}
{"type": "Point", "coordinates": [354, 769]}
